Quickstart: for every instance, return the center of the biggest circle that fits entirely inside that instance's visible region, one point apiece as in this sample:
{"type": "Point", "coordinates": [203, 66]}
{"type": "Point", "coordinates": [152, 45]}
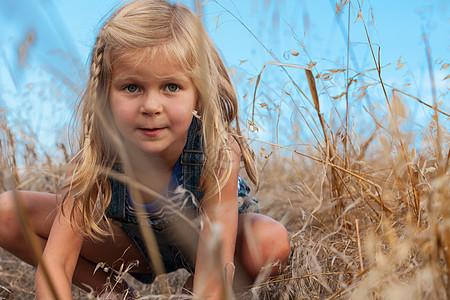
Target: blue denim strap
{"type": "Point", "coordinates": [117, 207]}
{"type": "Point", "coordinates": [192, 160]}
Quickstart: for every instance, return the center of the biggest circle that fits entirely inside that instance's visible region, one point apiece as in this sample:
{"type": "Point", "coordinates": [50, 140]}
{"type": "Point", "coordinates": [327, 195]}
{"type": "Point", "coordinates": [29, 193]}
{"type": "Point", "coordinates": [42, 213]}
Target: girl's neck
{"type": "Point", "coordinates": [143, 162]}
{"type": "Point", "coordinates": [152, 171]}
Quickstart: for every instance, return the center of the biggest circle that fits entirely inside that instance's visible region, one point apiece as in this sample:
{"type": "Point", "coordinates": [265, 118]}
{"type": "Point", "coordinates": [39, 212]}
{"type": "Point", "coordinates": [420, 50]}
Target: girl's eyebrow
{"type": "Point", "coordinates": [176, 76]}
{"type": "Point", "coordinates": [130, 77]}
{"type": "Point", "coordinates": [127, 78]}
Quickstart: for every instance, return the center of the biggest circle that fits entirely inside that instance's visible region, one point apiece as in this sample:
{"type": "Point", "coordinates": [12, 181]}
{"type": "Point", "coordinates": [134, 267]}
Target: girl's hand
{"type": "Point", "coordinates": [220, 214]}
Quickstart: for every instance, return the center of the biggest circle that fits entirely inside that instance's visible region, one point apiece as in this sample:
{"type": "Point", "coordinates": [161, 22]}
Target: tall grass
{"type": "Point", "coordinates": [365, 198]}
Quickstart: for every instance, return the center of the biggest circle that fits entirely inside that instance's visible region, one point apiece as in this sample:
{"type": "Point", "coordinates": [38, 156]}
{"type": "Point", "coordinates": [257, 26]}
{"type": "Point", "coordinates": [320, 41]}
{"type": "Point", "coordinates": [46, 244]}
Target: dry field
{"type": "Point", "coordinates": [365, 198]}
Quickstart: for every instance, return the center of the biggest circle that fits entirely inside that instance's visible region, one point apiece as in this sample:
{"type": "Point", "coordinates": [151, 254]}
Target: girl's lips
{"type": "Point", "coordinates": [151, 131]}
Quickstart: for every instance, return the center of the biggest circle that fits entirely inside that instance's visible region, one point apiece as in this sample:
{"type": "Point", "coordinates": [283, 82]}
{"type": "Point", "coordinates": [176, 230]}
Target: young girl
{"type": "Point", "coordinates": [155, 183]}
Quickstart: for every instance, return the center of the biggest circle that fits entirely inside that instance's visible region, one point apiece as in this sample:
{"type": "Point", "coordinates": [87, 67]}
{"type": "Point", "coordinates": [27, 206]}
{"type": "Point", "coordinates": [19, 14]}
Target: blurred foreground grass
{"type": "Point", "coordinates": [362, 183]}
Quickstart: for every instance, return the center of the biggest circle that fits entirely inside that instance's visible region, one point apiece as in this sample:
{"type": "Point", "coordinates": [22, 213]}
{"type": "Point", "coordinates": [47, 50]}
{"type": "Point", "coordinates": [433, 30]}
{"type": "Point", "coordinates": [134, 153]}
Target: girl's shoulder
{"type": "Point", "coordinates": [234, 145]}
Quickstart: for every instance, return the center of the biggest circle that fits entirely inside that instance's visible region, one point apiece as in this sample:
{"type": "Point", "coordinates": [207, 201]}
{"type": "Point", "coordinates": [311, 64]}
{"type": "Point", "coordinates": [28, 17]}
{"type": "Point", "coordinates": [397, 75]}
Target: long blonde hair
{"type": "Point", "coordinates": [176, 31]}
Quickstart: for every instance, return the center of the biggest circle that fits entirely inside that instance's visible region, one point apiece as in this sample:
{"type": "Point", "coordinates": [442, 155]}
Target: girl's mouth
{"type": "Point", "coordinates": [151, 131]}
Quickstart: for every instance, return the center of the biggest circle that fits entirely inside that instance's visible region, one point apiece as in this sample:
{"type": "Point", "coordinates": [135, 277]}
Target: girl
{"type": "Point", "coordinates": [155, 182]}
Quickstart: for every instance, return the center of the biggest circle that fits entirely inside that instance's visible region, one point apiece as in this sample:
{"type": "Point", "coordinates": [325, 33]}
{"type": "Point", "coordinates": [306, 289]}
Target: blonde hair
{"type": "Point", "coordinates": [176, 31]}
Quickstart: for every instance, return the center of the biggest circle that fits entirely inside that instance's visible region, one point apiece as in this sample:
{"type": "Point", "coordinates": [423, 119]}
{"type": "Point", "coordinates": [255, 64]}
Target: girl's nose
{"type": "Point", "coordinates": [152, 104]}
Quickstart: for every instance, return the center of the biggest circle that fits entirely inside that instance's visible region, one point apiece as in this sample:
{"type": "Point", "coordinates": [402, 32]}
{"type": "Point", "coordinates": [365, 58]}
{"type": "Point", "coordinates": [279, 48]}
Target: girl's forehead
{"type": "Point", "coordinates": [147, 64]}
{"type": "Point", "coordinates": [136, 57]}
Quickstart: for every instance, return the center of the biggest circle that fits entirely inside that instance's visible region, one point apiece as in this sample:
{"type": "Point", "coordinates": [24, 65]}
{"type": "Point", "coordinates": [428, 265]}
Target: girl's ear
{"type": "Point", "coordinates": [198, 105]}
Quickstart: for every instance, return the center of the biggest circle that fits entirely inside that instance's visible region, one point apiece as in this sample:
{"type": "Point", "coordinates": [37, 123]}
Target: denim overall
{"type": "Point", "coordinates": [177, 238]}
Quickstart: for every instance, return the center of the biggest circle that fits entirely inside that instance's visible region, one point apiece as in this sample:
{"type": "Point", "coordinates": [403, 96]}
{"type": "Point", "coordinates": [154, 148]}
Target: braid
{"type": "Point", "coordinates": [90, 102]}
{"type": "Point", "coordinates": [96, 70]}
{"type": "Point", "coordinates": [96, 63]}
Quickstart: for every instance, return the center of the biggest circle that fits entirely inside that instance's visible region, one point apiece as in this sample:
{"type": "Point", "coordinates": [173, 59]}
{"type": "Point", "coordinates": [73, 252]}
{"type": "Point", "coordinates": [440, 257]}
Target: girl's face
{"type": "Point", "coordinates": [151, 101]}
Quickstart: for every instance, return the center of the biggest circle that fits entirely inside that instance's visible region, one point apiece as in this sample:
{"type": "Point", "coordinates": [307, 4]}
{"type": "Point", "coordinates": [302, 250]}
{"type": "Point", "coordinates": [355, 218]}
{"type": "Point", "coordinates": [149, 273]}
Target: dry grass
{"type": "Point", "coordinates": [365, 199]}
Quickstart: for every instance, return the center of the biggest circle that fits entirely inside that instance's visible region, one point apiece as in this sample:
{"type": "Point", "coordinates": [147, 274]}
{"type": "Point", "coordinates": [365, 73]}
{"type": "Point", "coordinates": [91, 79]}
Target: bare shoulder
{"type": "Point", "coordinates": [235, 149]}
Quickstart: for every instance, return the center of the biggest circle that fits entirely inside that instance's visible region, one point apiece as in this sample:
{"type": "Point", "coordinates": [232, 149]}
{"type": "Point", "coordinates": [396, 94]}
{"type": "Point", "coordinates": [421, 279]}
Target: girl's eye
{"type": "Point", "coordinates": [172, 87]}
{"type": "Point", "coordinates": [131, 88]}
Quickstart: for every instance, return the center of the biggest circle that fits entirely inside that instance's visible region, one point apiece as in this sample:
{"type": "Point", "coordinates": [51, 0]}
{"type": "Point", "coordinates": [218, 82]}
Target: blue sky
{"type": "Point", "coordinates": [41, 85]}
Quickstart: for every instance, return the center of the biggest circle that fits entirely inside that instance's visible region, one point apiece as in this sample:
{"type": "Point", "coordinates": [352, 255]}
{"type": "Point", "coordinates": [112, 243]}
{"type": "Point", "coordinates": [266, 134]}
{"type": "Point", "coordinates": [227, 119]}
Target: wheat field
{"type": "Point", "coordinates": [359, 178]}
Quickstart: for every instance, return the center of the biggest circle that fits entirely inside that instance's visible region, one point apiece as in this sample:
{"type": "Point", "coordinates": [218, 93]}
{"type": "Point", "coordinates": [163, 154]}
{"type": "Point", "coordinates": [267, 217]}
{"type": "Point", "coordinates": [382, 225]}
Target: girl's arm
{"type": "Point", "coordinates": [223, 212]}
{"type": "Point", "coordinates": [60, 257]}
